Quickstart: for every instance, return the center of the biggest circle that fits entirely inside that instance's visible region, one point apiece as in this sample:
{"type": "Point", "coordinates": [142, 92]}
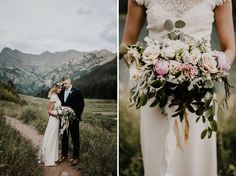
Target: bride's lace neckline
{"type": "Point", "coordinates": [178, 7]}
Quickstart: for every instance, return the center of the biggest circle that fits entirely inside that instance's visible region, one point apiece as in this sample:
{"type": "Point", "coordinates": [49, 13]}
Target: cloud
{"type": "Point", "coordinates": [83, 11]}
{"type": "Point", "coordinates": [34, 26]}
{"type": "Point", "coordinates": [109, 32]}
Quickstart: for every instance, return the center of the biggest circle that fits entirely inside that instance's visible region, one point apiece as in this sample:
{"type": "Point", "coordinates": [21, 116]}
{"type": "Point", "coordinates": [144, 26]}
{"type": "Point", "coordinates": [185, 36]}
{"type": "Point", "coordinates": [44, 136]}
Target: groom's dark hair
{"type": "Point", "coordinates": [65, 78]}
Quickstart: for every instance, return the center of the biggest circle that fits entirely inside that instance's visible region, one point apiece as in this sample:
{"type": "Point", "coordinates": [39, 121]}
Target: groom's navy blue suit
{"type": "Point", "coordinates": [75, 101]}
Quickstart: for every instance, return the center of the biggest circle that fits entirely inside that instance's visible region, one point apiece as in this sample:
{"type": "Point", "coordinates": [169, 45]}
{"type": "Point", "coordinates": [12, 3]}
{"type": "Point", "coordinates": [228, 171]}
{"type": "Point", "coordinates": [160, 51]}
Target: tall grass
{"type": "Point", "coordinates": [17, 155]}
{"type": "Point", "coordinates": [129, 138]}
{"type": "Point", "coordinates": [226, 144]}
{"type": "Point", "coordinates": [98, 151]}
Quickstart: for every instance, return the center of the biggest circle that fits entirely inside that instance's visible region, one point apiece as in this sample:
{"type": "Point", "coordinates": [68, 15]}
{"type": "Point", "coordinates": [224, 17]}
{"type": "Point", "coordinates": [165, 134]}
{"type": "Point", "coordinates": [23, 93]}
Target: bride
{"type": "Point", "coordinates": [163, 151]}
{"type": "Point", "coordinates": [49, 149]}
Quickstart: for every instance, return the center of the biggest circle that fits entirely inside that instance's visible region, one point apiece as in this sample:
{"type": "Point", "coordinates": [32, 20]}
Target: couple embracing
{"type": "Point", "coordinates": [62, 94]}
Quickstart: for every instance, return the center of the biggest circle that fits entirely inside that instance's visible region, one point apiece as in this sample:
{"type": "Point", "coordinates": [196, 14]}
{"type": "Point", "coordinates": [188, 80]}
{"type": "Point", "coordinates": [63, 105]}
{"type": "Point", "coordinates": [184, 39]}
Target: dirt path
{"type": "Point", "coordinates": [29, 132]}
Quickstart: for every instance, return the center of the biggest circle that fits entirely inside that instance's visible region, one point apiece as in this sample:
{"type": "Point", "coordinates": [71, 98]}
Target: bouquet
{"type": "Point", "coordinates": [180, 72]}
{"type": "Point", "coordinates": [66, 115]}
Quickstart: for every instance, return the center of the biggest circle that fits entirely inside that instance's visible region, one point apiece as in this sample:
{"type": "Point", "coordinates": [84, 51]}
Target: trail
{"type": "Point", "coordinates": [29, 132]}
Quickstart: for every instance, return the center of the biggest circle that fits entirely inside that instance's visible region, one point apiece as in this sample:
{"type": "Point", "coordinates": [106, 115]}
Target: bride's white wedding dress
{"type": "Point", "coordinates": [162, 137]}
{"type": "Point", "coordinates": [48, 153]}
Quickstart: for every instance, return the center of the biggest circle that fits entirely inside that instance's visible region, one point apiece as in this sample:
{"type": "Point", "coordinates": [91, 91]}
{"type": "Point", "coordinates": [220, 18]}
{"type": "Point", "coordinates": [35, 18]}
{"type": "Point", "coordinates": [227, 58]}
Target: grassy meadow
{"type": "Point", "coordinates": [97, 130]}
{"type": "Point", "coordinates": [16, 153]}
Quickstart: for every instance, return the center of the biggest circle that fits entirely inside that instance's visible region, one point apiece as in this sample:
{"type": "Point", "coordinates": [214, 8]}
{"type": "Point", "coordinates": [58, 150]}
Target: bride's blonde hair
{"type": "Point", "coordinates": [54, 88]}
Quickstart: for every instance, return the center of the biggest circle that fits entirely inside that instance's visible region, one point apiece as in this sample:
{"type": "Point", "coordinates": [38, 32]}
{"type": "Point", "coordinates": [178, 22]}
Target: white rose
{"type": "Point", "coordinates": [186, 57]}
{"type": "Point", "coordinates": [209, 63]}
{"type": "Point", "coordinates": [194, 57]}
{"type": "Point", "coordinates": [168, 52]}
{"type": "Point", "coordinates": [151, 53]}
{"type": "Point", "coordinates": [134, 73]}
{"type": "Point", "coordinates": [177, 44]}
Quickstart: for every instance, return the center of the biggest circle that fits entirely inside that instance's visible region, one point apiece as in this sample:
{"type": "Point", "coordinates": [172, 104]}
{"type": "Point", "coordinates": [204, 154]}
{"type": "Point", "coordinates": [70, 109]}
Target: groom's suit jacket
{"type": "Point", "coordinates": [74, 100]}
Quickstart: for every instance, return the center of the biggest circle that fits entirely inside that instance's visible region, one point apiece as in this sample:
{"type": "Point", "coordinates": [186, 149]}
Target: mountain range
{"type": "Point", "coordinates": [33, 73]}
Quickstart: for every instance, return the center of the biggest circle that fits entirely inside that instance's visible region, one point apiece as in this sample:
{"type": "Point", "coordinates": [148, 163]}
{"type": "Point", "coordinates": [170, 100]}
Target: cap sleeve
{"type": "Point", "coordinates": [141, 2]}
{"type": "Point", "coordinates": [53, 97]}
{"type": "Point", "coordinates": [221, 2]}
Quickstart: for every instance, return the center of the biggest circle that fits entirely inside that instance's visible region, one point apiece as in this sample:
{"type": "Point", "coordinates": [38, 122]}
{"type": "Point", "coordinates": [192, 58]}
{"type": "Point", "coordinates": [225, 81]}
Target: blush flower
{"type": "Point", "coordinates": [209, 63]}
{"type": "Point", "coordinates": [188, 70]}
{"type": "Point", "coordinates": [223, 61]}
{"type": "Point", "coordinates": [161, 68]}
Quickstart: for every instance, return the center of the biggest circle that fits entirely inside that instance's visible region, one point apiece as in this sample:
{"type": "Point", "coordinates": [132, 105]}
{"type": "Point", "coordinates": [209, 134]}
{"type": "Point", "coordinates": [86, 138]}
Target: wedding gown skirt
{"type": "Point", "coordinates": [164, 150]}
{"type": "Point", "coordinates": [49, 149]}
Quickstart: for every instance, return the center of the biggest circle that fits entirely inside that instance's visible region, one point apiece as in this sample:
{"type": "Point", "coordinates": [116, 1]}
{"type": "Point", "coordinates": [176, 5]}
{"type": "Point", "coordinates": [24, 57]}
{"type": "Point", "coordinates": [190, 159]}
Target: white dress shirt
{"type": "Point", "coordinates": [66, 93]}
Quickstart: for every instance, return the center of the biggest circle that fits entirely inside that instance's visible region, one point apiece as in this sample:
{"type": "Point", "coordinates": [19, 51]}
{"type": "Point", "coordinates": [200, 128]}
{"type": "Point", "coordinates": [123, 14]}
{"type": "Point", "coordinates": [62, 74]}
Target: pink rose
{"type": "Point", "coordinates": [223, 61]}
{"type": "Point", "coordinates": [161, 67]}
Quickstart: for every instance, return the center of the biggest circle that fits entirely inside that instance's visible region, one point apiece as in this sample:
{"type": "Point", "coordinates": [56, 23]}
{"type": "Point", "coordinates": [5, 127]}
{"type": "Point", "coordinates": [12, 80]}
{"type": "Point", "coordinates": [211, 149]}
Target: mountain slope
{"type": "Point", "coordinates": [101, 82]}
{"type": "Point", "coordinates": [34, 73]}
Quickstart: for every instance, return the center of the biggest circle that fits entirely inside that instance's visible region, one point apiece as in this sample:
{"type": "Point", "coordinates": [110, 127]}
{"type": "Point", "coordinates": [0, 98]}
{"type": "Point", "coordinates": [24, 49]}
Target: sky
{"type": "Point", "coordinates": [36, 26]}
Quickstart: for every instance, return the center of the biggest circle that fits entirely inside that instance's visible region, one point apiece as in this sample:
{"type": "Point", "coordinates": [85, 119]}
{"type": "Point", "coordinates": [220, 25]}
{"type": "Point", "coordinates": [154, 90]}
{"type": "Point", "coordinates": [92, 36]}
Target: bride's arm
{"type": "Point", "coordinates": [224, 25]}
{"type": "Point", "coordinates": [50, 108]}
{"type": "Point", "coordinates": [134, 22]}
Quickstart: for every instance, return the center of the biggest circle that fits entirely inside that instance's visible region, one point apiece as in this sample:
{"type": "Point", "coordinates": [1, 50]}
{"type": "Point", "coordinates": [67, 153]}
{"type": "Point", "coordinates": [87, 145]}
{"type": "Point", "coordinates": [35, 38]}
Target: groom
{"type": "Point", "coordinates": [72, 98]}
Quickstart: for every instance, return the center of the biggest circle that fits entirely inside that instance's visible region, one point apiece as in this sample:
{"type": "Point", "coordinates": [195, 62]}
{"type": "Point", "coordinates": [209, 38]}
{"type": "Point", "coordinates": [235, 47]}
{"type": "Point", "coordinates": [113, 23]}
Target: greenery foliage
{"type": "Point", "coordinates": [9, 94]}
{"type": "Point", "coordinates": [16, 153]}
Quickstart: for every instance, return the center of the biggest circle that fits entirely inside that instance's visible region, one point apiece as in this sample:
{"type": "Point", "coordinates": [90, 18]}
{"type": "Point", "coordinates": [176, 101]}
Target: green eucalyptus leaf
{"type": "Point", "coordinates": [176, 114]}
{"type": "Point", "coordinates": [156, 101]}
{"type": "Point", "coordinates": [172, 36]}
{"type": "Point", "coordinates": [163, 99]}
{"type": "Point", "coordinates": [211, 117]}
{"type": "Point", "coordinates": [203, 119]}
{"type": "Point", "coordinates": [203, 134]}
{"type": "Point", "coordinates": [190, 108]}
{"type": "Point", "coordinates": [177, 74]}
{"type": "Point", "coordinates": [198, 119]}
{"type": "Point", "coordinates": [200, 110]}
{"type": "Point", "coordinates": [168, 25]}
{"type": "Point", "coordinates": [151, 94]}
{"type": "Point", "coordinates": [157, 83]}
{"type": "Point", "coordinates": [179, 24]}
{"type": "Point", "coordinates": [213, 124]}
{"type": "Point", "coordinates": [143, 99]}
{"type": "Point", "coordinates": [208, 98]}
{"type": "Point", "coordinates": [209, 133]}
{"type": "Point", "coordinates": [208, 84]}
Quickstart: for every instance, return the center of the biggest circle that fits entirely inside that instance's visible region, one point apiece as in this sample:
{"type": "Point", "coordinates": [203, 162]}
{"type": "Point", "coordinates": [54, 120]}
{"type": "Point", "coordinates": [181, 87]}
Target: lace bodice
{"type": "Point", "coordinates": [54, 97]}
{"type": "Point", "coordinates": [197, 14]}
